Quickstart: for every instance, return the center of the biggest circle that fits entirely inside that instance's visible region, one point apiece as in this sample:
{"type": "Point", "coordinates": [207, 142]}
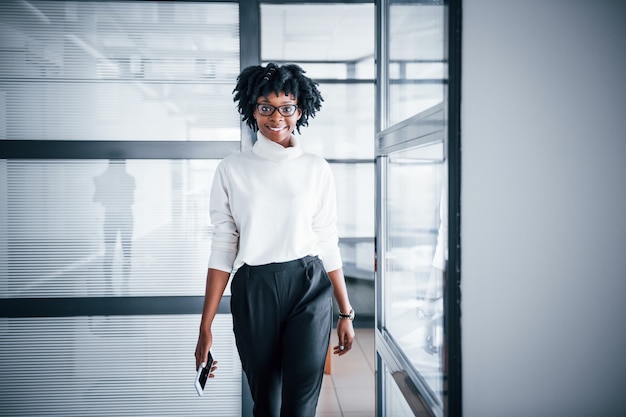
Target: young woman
{"type": "Point", "coordinates": [274, 212]}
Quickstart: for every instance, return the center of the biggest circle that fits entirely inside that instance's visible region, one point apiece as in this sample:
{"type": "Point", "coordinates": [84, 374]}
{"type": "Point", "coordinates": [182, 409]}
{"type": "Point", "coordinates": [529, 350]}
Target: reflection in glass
{"type": "Point", "coordinates": [415, 258]}
{"type": "Point", "coordinates": [115, 190]}
{"type": "Point", "coordinates": [396, 404]}
{"type": "Point", "coordinates": [93, 228]}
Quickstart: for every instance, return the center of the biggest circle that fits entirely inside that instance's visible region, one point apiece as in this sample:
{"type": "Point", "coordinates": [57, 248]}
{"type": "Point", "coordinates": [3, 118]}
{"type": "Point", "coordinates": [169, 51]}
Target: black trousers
{"type": "Point", "coordinates": [282, 315]}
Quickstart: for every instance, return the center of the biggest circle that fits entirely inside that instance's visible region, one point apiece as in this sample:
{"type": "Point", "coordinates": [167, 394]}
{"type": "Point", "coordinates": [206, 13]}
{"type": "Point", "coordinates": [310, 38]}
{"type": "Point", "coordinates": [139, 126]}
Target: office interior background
{"type": "Point", "coordinates": [503, 121]}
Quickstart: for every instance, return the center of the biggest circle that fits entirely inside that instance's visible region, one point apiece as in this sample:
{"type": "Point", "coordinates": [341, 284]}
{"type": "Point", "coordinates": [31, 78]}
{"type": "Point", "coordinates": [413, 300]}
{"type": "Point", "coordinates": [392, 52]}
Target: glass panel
{"type": "Point", "coordinates": [344, 127]}
{"type": "Point", "coordinates": [93, 228]}
{"type": "Point", "coordinates": [118, 70]}
{"type": "Point", "coordinates": [413, 97]}
{"type": "Point", "coordinates": [114, 366]}
{"type": "Point", "coordinates": [416, 244]}
{"type": "Point", "coordinates": [336, 42]}
{"type": "Point", "coordinates": [417, 60]}
{"type": "Point", "coordinates": [354, 198]}
{"type": "Point", "coordinates": [355, 201]}
{"type": "Point", "coordinates": [340, 37]}
{"type": "Point", "coordinates": [330, 41]}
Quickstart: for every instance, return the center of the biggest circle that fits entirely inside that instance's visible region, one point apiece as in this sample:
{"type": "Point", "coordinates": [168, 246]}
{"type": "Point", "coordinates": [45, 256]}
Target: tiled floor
{"type": "Point", "coordinates": [349, 390]}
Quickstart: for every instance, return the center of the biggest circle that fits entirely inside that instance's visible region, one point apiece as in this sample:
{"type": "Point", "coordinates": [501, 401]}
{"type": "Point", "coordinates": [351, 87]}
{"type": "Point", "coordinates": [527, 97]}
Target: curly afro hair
{"type": "Point", "coordinates": [256, 81]}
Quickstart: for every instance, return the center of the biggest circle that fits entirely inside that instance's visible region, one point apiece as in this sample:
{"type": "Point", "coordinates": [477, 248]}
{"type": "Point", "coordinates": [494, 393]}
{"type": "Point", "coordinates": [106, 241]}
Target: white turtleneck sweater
{"type": "Point", "coordinates": [273, 204]}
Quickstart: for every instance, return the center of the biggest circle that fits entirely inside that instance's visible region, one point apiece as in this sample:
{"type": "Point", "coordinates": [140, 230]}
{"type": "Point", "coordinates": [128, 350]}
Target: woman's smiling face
{"type": "Point", "coordinates": [276, 127]}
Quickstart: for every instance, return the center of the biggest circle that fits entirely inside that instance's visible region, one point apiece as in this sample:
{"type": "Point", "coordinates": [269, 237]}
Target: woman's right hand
{"type": "Point", "coordinates": [216, 281]}
{"type": "Point", "coordinates": [205, 341]}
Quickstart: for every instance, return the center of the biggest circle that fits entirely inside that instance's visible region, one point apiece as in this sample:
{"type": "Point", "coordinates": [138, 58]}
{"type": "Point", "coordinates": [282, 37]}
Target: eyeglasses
{"type": "Point", "coordinates": [267, 109]}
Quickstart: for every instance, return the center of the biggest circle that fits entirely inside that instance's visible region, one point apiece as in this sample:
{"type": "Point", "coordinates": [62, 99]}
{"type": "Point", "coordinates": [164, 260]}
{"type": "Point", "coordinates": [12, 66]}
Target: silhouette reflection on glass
{"type": "Point", "coordinates": [115, 189]}
{"type": "Point", "coordinates": [431, 309]}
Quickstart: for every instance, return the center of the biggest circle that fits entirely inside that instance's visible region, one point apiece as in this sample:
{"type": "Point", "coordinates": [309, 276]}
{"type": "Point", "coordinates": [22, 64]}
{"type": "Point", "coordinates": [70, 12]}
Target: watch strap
{"type": "Point", "coordinates": [348, 316]}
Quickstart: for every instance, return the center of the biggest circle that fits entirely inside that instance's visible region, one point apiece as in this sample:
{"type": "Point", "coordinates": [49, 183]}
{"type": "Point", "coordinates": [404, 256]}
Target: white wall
{"type": "Point", "coordinates": [544, 208]}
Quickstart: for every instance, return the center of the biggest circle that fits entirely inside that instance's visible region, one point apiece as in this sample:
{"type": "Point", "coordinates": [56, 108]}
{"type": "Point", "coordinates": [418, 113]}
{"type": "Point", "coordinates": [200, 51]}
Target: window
{"type": "Point", "coordinates": [418, 199]}
{"type": "Point", "coordinates": [417, 63]}
{"type": "Point", "coordinates": [334, 44]}
{"type": "Point", "coordinates": [118, 70]}
{"type": "Point", "coordinates": [113, 117]}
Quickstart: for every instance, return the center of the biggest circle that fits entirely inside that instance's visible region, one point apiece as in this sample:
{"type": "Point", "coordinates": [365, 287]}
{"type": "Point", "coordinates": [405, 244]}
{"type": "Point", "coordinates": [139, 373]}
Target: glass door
{"type": "Point", "coordinates": [417, 337]}
{"type": "Point", "coordinates": [413, 261]}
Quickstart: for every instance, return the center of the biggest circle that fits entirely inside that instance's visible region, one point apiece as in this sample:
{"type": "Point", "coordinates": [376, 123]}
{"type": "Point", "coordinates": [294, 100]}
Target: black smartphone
{"type": "Point", "coordinates": [203, 374]}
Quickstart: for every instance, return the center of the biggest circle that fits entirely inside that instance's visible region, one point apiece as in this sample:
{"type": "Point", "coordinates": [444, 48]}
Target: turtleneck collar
{"type": "Point", "coordinates": [267, 149]}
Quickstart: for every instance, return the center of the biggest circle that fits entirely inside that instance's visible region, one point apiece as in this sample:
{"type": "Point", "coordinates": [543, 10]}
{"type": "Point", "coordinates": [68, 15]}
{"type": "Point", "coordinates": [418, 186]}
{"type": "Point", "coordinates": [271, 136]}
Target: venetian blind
{"type": "Point", "coordinates": [94, 228]}
{"type": "Point", "coordinates": [99, 70]}
{"type": "Point", "coordinates": [114, 231]}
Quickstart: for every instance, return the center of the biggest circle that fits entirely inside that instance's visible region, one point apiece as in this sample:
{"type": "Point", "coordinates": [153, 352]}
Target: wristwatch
{"type": "Point", "coordinates": [349, 316]}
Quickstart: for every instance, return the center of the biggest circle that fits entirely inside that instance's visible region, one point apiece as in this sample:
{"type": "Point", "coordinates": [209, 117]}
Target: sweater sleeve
{"type": "Point", "coordinates": [325, 221]}
{"type": "Point", "coordinates": [225, 234]}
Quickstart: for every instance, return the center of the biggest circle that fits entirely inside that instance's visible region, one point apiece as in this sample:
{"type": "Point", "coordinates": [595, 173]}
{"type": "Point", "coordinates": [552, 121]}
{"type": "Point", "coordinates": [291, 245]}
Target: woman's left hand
{"type": "Point", "coordinates": [345, 334]}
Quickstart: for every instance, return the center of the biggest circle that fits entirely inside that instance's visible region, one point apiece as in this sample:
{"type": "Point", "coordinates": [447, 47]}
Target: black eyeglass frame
{"type": "Point", "coordinates": [279, 108]}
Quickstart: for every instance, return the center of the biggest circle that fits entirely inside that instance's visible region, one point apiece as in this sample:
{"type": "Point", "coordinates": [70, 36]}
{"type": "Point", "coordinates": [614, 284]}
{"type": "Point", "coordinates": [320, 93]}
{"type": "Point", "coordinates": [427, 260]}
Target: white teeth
{"type": "Point", "coordinates": [276, 129]}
